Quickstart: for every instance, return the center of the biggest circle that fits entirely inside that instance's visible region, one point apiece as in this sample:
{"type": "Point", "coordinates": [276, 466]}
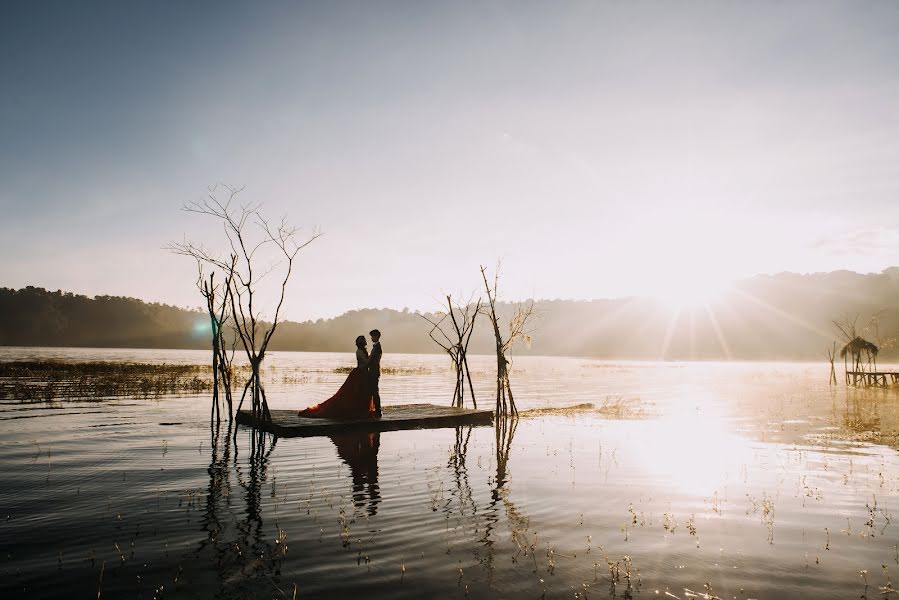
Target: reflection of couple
{"type": "Point", "coordinates": [359, 450]}
{"type": "Point", "coordinates": [358, 397]}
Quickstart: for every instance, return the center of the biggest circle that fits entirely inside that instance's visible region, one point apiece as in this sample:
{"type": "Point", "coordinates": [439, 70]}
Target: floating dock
{"type": "Point", "coordinates": [872, 378]}
{"type": "Point", "coordinates": [286, 423]}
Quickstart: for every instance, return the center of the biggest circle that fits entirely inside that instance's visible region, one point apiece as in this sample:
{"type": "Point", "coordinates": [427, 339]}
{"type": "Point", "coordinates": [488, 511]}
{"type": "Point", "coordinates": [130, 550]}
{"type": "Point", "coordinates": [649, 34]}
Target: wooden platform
{"type": "Point", "coordinates": [872, 378]}
{"type": "Point", "coordinates": [286, 423]}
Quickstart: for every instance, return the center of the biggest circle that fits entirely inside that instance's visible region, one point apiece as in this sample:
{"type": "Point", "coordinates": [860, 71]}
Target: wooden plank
{"type": "Point", "coordinates": [286, 423]}
{"type": "Point", "coordinates": [896, 373]}
{"type": "Point", "coordinates": [873, 378]}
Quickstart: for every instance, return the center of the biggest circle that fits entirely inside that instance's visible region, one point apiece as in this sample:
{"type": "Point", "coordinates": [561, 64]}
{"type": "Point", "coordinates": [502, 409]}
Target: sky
{"type": "Point", "coordinates": [599, 149]}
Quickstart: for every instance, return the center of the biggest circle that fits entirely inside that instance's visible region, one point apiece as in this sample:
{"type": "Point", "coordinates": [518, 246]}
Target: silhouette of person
{"type": "Point", "coordinates": [354, 398]}
{"type": "Point", "coordinates": [374, 368]}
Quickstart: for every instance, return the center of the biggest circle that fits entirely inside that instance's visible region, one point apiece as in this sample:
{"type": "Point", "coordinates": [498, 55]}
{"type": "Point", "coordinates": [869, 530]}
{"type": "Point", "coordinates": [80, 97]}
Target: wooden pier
{"type": "Point", "coordinates": [286, 423]}
{"type": "Point", "coordinates": [872, 378]}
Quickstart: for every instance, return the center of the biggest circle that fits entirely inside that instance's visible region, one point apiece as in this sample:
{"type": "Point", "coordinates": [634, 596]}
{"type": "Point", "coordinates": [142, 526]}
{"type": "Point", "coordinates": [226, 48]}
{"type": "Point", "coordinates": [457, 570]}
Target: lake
{"type": "Point", "coordinates": [685, 480]}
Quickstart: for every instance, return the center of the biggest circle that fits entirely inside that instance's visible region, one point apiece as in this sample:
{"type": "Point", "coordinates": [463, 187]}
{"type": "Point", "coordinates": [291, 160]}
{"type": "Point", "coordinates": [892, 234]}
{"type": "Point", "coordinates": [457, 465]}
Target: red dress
{"type": "Point", "coordinates": [352, 401]}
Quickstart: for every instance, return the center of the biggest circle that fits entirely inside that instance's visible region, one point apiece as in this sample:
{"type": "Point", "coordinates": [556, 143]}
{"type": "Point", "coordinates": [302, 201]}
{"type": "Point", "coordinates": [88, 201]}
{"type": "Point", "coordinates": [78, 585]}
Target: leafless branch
{"type": "Point", "coordinates": [242, 274]}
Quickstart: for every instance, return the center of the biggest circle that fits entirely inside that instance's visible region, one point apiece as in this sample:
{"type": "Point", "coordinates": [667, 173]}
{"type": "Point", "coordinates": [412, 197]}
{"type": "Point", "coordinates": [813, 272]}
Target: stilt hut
{"type": "Point", "coordinates": [854, 349]}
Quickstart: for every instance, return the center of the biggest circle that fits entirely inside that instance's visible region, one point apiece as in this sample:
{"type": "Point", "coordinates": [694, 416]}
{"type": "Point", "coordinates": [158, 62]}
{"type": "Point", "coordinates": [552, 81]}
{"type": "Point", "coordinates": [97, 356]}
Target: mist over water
{"type": "Point", "coordinates": [747, 480]}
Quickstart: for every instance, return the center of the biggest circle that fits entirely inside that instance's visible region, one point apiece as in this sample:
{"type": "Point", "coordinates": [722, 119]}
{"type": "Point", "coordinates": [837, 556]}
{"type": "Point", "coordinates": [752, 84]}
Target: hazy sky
{"type": "Point", "coordinates": [599, 148]}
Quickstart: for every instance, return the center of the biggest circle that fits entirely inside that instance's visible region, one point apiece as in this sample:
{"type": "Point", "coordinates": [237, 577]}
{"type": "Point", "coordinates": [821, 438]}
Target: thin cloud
{"type": "Point", "coordinates": [861, 241]}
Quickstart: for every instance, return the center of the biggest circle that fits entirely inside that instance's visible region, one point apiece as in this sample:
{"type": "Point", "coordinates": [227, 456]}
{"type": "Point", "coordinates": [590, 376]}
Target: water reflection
{"type": "Point", "coordinates": [504, 430]}
{"type": "Point", "coordinates": [218, 492]}
{"type": "Point", "coordinates": [870, 415]}
{"type": "Point", "coordinates": [242, 549]}
{"type": "Point", "coordinates": [359, 450]}
{"type": "Point", "coordinates": [459, 473]}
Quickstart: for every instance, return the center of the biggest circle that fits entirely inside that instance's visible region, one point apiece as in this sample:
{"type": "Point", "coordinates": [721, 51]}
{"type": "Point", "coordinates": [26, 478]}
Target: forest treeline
{"type": "Point", "coordinates": [785, 316]}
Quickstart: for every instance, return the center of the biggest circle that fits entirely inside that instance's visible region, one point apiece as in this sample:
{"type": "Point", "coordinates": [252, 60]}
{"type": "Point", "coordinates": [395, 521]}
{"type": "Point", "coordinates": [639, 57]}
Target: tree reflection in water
{"type": "Point", "coordinates": [248, 550]}
{"type": "Point", "coordinates": [359, 450]}
{"type": "Point", "coordinates": [456, 464]}
{"type": "Point", "coordinates": [244, 552]}
{"type": "Point", "coordinates": [518, 524]}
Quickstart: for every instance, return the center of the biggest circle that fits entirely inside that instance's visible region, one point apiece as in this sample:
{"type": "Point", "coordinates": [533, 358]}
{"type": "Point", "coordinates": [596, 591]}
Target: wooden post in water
{"type": "Point", "coordinates": [831, 353]}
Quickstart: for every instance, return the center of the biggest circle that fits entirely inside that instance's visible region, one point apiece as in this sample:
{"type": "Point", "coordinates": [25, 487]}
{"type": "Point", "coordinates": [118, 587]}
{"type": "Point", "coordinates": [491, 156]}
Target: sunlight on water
{"type": "Point", "coordinates": [695, 454]}
{"type": "Point", "coordinates": [732, 480]}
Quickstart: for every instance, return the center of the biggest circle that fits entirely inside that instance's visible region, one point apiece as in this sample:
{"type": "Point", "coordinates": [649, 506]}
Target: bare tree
{"type": "Point", "coordinates": [218, 303]}
{"type": "Point", "coordinates": [454, 337]}
{"type": "Point", "coordinates": [846, 326]}
{"type": "Point", "coordinates": [248, 233]}
{"type": "Point", "coordinates": [831, 353]}
{"type": "Point", "coordinates": [518, 330]}
{"type": "Point", "coordinates": [882, 341]}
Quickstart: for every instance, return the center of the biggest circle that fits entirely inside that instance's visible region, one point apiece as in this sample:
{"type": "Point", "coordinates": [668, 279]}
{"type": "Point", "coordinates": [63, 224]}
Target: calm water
{"type": "Point", "coordinates": [735, 480]}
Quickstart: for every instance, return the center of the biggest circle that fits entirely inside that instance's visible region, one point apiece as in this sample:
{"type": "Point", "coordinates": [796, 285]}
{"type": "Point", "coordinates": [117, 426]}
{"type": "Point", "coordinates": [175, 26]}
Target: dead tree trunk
{"type": "Point", "coordinates": [463, 328]}
{"type": "Point", "coordinates": [846, 327]}
{"type": "Point", "coordinates": [518, 331]}
{"type": "Point", "coordinates": [209, 291]}
{"type": "Point", "coordinates": [226, 371]}
{"type": "Point", "coordinates": [831, 353]}
{"type": "Point", "coordinates": [455, 343]}
{"type": "Point", "coordinates": [247, 251]}
{"type": "Point", "coordinates": [217, 305]}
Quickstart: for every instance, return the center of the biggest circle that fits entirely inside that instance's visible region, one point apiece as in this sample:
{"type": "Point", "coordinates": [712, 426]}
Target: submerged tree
{"type": "Point", "coordinates": [518, 330]}
{"type": "Point", "coordinates": [846, 327]}
{"type": "Point", "coordinates": [882, 342]}
{"type": "Point", "coordinates": [249, 236]}
{"type": "Point", "coordinates": [831, 353]}
{"type": "Point", "coordinates": [454, 337]}
{"type": "Point", "coordinates": [218, 303]}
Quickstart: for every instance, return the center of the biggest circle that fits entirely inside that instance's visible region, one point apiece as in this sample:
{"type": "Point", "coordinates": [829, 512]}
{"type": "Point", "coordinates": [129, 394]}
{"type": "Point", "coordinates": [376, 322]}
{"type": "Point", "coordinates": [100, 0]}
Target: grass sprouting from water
{"type": "Point", "coordinates": [390, 370]}
{"type": "Point", "coordinates": [53, 381]}
{"type": "Point", "coordinates": [611, 407]}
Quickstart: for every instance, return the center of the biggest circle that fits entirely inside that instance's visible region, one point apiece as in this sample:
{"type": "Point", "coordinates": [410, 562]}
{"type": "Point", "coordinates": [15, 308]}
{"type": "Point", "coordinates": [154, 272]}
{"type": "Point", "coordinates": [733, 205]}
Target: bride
{"type": "Point", "coordinates": [354, 398]}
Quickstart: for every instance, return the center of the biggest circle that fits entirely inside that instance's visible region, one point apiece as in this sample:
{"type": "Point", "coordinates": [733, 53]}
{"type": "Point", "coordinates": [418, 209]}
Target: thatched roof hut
{"type": "Point", "coordinates": [858, 345]}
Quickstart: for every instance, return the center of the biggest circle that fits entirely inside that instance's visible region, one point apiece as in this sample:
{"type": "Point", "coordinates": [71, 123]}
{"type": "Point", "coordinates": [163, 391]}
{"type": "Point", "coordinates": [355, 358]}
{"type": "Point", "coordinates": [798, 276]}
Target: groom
{"type": "Point", "coordinates": [374, 368]}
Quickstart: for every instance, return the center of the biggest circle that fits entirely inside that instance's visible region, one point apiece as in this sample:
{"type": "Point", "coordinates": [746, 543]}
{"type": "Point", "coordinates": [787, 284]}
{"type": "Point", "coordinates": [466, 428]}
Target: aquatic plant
{"type": "Point", "coordinates": [48, 381]}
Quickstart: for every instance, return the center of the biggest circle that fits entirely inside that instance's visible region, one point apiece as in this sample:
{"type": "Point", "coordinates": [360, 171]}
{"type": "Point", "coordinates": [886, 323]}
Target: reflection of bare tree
{"type": "Point", "coordinates": [459, 469]}
{"type": "Point", "coordinates": [218, 494]}
{"type": "Point", "coordinates": [505, 433]}
{"type": "Point", "coordinates": [359, 450]}
{"type": "Point", "coordinates": [261, 447]}
{"type": "Point", "coordinates": [243, 553]}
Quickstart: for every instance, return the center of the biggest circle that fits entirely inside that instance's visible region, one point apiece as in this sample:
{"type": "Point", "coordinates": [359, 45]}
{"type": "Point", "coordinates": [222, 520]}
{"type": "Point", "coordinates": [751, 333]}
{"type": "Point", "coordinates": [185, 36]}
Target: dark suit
{"type": "Point", "coordinates": [374, 373]}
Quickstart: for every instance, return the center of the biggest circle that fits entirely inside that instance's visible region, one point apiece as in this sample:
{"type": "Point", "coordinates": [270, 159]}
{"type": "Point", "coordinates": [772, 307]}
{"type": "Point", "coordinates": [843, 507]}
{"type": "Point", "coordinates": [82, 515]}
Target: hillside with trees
{"type": "Point", "coordinates": [36, 317]}
{"type": "Point", "coordinates": [771, 317]}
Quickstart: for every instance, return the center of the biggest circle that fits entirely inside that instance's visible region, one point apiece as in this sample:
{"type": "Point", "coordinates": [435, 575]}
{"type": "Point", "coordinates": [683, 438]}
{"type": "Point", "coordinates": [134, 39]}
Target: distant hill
{"type": "Point", "coordinates": [785, 316]}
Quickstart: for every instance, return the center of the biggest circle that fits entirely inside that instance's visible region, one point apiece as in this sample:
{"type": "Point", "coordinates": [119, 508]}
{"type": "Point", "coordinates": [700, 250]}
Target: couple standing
{"type": "Point", "coordinates": [358, 397]}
